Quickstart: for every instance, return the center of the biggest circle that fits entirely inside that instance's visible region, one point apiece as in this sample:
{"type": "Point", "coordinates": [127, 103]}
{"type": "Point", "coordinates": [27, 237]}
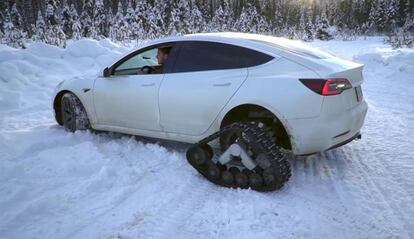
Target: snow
{"type": "Point", "coordinates": [55, 184]}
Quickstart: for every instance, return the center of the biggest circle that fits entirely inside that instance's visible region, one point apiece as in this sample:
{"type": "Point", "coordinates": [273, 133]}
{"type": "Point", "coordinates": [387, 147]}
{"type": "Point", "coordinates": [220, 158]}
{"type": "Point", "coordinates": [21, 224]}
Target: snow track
{"type": "Point", "coordinates": [54, 184]}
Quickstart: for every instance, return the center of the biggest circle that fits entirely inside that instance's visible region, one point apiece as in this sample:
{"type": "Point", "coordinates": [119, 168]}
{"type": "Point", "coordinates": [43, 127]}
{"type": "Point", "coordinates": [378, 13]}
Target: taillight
{"type": "Point", "coordinates": [333, 86]}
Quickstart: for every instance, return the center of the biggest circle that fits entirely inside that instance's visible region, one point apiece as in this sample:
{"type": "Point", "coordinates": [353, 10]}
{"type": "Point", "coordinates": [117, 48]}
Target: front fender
{"type": "Point", "coordinates": [82, 87]}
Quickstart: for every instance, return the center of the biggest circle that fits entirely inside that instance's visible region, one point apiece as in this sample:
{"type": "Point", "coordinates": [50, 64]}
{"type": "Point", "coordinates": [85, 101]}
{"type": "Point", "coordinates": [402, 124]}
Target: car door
{"type": "Point", "coordinates": [204, 78]}
{"type": "Point", "coordinates": [128, 98]}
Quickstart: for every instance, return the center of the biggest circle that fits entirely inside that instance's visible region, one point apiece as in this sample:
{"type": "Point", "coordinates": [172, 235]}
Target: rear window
{"type": "Point", "coordinates": [204, 56]}
{"type": "Point", "coordinates": [296, 48]}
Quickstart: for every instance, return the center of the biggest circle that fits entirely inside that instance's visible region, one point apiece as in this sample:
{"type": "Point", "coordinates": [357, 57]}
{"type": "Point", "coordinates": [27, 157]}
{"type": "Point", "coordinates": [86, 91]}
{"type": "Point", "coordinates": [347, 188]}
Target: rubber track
{"type": "Point", "coordinates": [260, 140]}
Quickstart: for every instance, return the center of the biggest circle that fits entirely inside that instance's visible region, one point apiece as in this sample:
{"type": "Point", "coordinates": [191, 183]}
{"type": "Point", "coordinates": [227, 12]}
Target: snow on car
{"type": "Point", "coordinates": [257, 95]}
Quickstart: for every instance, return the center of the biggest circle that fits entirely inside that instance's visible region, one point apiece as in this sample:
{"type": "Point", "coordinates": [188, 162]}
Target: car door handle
{"type": "Point", "coordinates": [147, 85]}
{"type": "Point", "coordinates": [222, 85]}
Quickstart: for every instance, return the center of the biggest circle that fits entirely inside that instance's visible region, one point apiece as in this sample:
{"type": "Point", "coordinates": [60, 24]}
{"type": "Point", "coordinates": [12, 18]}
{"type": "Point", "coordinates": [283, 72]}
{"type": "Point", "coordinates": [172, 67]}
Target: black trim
{"type": "Point", "coordinates": [339, 135]}
{"type": "Point", "coordinates": [356, 136]}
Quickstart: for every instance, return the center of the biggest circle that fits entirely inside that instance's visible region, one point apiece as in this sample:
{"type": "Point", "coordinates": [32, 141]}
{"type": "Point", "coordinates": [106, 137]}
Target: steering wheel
{"type": "Point", "coordinates": [147, 69]}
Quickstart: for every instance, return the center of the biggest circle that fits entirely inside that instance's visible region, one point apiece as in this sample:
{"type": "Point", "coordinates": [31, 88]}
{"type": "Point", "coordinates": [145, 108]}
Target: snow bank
{"type": "Point", "coordinates": [42, 67]}
{"type": "Point", "coordinates": [86, 48]}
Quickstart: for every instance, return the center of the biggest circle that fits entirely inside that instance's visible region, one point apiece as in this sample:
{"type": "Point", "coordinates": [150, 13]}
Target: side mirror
{"type": "Point", "coordinates": [106, 72]}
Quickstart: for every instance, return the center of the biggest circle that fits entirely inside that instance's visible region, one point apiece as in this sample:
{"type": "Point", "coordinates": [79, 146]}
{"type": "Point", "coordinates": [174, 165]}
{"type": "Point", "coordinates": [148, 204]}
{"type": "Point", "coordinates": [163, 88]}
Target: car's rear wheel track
{"type": "Point", "coordinates": [257, 140]}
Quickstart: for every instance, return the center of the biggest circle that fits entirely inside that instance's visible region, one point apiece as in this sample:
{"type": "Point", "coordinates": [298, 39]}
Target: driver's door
{"type": "Point", "coordinates": [128, 98]}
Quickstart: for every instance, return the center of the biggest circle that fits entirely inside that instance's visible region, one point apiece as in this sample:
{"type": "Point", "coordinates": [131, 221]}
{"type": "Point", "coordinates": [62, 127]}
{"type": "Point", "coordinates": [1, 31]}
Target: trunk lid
{"type": "Point", "coordinates": [339, 68]}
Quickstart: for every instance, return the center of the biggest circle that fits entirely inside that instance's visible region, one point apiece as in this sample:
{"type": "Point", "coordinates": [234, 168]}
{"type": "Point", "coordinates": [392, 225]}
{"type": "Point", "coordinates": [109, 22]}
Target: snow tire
{"type": "Point", "coordinates": [74, 116]}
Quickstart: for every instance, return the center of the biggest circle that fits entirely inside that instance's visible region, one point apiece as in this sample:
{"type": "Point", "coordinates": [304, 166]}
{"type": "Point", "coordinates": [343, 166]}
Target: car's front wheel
{"type": "Point", "coordinates": [74, 116]}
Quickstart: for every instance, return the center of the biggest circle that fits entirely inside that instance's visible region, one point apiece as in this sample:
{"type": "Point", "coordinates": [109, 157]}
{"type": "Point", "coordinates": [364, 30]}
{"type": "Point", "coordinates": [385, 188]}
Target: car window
{"type": "Point", "coordinates": [134, 64]}
{"type": "Point", "coordinates": [147, 58]}
{"type": "Point", "coordinates": [204, 56]}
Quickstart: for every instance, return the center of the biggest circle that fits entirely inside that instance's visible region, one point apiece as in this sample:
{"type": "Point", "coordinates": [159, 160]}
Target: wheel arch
{"type": "Point", "coordinates": [57, 105]}
{"type": "Point", "coordinates": [255, 112]}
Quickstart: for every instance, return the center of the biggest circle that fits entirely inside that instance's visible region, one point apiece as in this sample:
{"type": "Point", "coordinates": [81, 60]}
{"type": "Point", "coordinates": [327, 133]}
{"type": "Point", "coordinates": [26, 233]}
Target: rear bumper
{"type": "Point", "coordinates": [327, 131]}
{"type": "Point", "coordinates": [357, 136]}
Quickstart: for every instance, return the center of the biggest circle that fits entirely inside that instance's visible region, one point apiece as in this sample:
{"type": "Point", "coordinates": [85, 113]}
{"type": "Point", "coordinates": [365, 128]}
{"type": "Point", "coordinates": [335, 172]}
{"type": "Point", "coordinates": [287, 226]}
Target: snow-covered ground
{"type": "Point", "coordinates": [55, 184]}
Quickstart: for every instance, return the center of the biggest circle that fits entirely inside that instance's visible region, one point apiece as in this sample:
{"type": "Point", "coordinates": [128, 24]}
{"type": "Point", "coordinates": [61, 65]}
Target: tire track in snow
{"type": "Point", "coordinates": [148, 183]}
{"type": "Point", "coordinates": [365, 189]}
{"type": "Point", "coordinates": [351, 192]}
{"type": "Point", "coordinates": [172, 216]}
{"type": "Point", "coordinates": [314, 177]}
{"type": "Point", "coordinates": [175, 207]}
{"type": "Point", "coordinates": [335, 171]}
{"type": "Point", "coordinates": [322, 162]}
{"type": "Point", "coordinates": [405, 213]}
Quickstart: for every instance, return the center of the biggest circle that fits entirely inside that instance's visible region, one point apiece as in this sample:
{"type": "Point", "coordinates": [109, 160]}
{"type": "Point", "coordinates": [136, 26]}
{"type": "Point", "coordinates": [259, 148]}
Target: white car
{"type": "Point", "coordinates": [256, 94]}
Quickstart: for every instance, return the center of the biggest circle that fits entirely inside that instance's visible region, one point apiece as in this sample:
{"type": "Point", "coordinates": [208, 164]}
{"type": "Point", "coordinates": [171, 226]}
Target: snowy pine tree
{"type": "Point", "coordinates": [197, 22]}
{"type": "Point", "coordinates": [278, 22]}
{"type": "Point", "coordinates": [51, 18]}
{"type": "Point", "coordinates": [86, 18]}
{"type": "Point", "coordinates": [1, 27]}
{"type": "Point", "coordinates": [155, 24]}
{"type": "Point", "coordinates": [16, 18]}
{"type": "Point", "coordinates": [378, 16]}
{"type": "Point", "coordinates": [223, 18]}
{"type": "Point", "coordinates": [66, 20]}
{"type": "Point", "coordinates": [40, 31]}
{"type": "Point", "coordinates": [119, 29]}
{"type": "Point", "coordinates": [179, 21]}
{"type": "Point", "coordinates": [218, 22]}
{"type": "Point", "coordinates": [309, 27]}
{"type": "Point", "coordinates": [132, 21]}
{"type": "Point", "coordinates": [263, 26]}
{"type": "Point", "coordinates": [76, 25]}
{"type": "Point", "coordinates": [409, 24]}
{"type": "Point", "coordinates": [76, 30]}
{"type": "Point", "coordinates": [408, 11]}
{"type": "Point", "coordinates": [130, 14]}
{"type": "Point", "coordinates": [1, 31]}
{"type": "Point", "coordinates": [140, 17]}
{"type": "Point", "coordinates": [300, 32]}
{"type": "Point", "coordinates": [392, 14]}
{"type": "Point", "coordinates": [322, 27]}
{"type": "Point", "coordinates": [98, 29]}
{"type": "Point", "coordinates": [248, 20]}
{"type": "Point", "coordinates": [12, 36]}
{"type": "Point", "coordinates": [54, 33]}
{"type": "Point", "coordinates": [400, 37]}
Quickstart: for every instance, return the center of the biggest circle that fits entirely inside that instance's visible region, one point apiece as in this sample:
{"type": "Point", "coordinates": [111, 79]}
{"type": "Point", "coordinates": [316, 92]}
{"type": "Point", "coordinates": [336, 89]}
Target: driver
{"type": "Point", "coordinates": [162, 56]}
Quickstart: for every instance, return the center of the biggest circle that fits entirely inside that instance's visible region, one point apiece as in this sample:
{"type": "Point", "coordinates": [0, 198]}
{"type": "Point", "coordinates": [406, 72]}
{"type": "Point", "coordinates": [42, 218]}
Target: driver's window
{"type": "Point", "coordinates": [135, 64]}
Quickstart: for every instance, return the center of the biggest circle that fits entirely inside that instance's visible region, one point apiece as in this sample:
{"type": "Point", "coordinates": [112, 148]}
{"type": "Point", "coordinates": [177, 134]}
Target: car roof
{"type": "Point", "coordinates": [275, 46]}
{"type": "Point", "coordinates": [223, 37]}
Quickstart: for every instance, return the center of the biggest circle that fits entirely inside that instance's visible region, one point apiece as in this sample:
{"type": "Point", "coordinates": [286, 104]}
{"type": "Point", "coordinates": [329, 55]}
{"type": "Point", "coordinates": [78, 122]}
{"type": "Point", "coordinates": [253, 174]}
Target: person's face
{"type": "Point", "coordinates": [161, 57]}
